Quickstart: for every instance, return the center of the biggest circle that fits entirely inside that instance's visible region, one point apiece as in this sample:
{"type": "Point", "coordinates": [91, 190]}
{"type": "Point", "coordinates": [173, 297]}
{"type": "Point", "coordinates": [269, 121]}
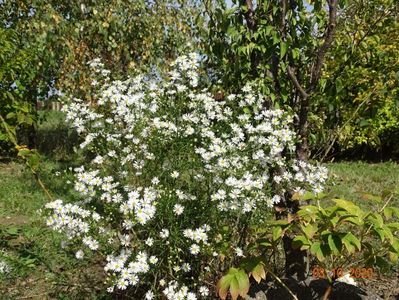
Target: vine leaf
{"type": "Point", "coordinates": [236, 282]}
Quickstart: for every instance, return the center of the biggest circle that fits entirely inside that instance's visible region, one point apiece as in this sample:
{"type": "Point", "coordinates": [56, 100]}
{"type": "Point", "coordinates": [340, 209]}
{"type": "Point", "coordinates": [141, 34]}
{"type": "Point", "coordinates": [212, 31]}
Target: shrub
{"type": "Point", "coordinates": [175, 180]}
{"type": "Point", "coordinates": [342, 241]}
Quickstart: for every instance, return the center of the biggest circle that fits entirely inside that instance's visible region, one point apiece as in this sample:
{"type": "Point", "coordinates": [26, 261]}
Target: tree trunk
{"type": "Point", "coordinates": [295, 260]}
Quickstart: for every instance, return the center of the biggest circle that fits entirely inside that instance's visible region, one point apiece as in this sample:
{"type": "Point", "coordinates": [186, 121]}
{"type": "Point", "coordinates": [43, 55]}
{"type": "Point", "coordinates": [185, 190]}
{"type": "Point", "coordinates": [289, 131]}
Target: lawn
{"type": "Point", "coordinates": [40, 269]}
{"type": "Point", "coordinates": [356, 180]}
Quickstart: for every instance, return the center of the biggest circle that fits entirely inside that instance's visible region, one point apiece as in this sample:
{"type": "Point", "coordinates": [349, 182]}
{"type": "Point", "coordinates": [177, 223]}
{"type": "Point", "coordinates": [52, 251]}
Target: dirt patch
{"type": "Point", "coordinates": [379, 288]}
{"type": "Point", "coordinates": [79, 283]}
{"type": "Point", "coordinates": [14, 220]}
{"type": "Point", "coordinates": [387, 287]}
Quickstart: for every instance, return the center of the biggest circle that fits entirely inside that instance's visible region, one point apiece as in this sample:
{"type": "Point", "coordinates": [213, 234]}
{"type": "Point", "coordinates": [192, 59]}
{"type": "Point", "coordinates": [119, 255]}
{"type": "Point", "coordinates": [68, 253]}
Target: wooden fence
{"type": "Point", "coordinates": [48, 105]}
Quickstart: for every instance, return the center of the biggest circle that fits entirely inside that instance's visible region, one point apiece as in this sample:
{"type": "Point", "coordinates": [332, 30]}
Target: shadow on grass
{"type": "Point", "coordinates": [55, 139]}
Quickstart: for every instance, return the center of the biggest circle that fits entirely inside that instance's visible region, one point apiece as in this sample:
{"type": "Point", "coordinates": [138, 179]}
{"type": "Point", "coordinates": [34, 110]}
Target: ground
{"type": "Point", "coordinates": [41, 269]}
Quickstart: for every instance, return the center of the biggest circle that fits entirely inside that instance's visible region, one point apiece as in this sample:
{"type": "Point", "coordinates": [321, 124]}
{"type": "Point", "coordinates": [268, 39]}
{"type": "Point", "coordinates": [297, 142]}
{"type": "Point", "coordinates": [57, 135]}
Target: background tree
{"type": "Point", "coordinates": [282, 45]}
{"type": "Point", "coordinates": [358, 103]}
{"type": "Point", "coordinates": [15, 75]}
{"type": "Point", "coordinates": [63, 36]}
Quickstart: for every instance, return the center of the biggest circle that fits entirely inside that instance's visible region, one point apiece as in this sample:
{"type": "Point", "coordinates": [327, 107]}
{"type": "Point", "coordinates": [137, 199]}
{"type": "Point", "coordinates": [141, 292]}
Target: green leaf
{"type": "Point", "coordinates": [300, 242]}
{"type": "Point", "coordinates": [335, 244]}
{"type": "Point", "coordinates": [247, 110]}
{"type": "Point", "coordinates": [24, 152]}
{"type": "Point", "coordinates": [236, 281]}
{"type": "Point", "coordinates": [391, 211]}
{"type": "Point", "coordinates": [316, 249]}
{"type": "Point", "coordinates": [393, 257]}
{"type": "Point", "coordinates": [10, 115]}
{"type": "Point", "coordinates": [309, 229]}
{"type": "Point", "coordinates": [308, 210]}
{"type": "Point", "coordinates": [277, 232]}
{"type": "Point", "coordinates": [243, 283]}
{"type": "Point", "coordinates": [34, 161]}
{"type": "Point", "coordinates": [270, 28]}
{"type": "Point", "coordinates": [282, 222]}
{"type": "Point", "coordinates": [295, 53]}
{"type": "Point", "coordinates": [224, 285]}
{"type": "Point", "coordinates": [283, 49]}
{"type": "Point", "coordinates": [349, 240]}
{"type": "Point", "coordinates": [234, 288]}
{"type": "Point", "coordinates": [12, 231]}
{"type": "Point", "coordinates": [376, 220]}
{"type": "Point", "coordinates": [394, 225]}
{"type": "Point", "coordinates": [388, 233]}
{"type": "Point", "coordinates": [349, 207]}
{"type": "Point", "coordinates": [338, 85]}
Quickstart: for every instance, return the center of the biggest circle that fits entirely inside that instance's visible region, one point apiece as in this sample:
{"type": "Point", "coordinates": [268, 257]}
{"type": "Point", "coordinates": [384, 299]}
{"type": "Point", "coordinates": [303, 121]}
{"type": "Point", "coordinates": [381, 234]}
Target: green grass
{"type": "Point", "coordinates": [41, 269]}
{"type": "Point", "coordinates": [352, 180]}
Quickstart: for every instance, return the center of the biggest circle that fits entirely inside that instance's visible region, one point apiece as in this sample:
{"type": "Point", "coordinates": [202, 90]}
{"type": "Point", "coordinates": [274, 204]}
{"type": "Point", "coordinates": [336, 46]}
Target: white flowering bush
{"type": "Point", "coordinates": [173, 176]}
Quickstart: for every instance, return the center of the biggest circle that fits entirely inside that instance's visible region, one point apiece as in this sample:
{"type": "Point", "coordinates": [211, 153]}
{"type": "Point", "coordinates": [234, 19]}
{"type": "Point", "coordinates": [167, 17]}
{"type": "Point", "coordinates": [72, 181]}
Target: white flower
{"type": "Point", "coordinates": [204, 291]}
{"type": "Point", "coordinates": [164, 233]}
{"type": "Point", "coordinates": [4, 267]}
{"type": "Point", "coordinates": [91, 243]}
{"type": "Point", "coordinates": [176, 268]}
{"type": "Point", "coordinates": [149, 242]}
{"type": "Point", "coordinates": [175, 174]}
{"type": "Point", "coordinates": [142, 128]}
{"type": "Point", "coordinates": [122, 284]}
{"type": "Point", "coordinates": [178, 209]}
{"type": "Point", "coordinates": [79, 254]}
{"type": "Point", "coordinates": [191, 296]}
{"type": "Point", "coordinates": [239, 252]}
{"type": "Point", "coordinates": [98, 159]}
{"type": "Point", "coordinates": [194, 249]}
{"type": "Point", "coordinates": [149, 295]}
{"type": "Point", "coordinates": [153, 260]}
{"type": "Point", "coordinates": [186, 267]}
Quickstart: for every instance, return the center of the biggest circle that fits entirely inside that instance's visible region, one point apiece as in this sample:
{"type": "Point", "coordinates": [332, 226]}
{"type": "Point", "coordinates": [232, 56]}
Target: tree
{"type": "Point", "coordinates": [283, 46]}
{"type": "Point", "coordinates": [15, 75]}
{"type": "Point", "coordinates": [61, 37]}
{"type": "Point", "coordinates": [359, 100]}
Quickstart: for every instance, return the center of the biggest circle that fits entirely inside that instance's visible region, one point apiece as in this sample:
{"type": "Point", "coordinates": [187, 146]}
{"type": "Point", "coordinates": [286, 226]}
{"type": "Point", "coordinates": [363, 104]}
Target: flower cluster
{"type": "Point", "coordinates": [173, 167]}
{"type": "Point", "coordinates": [4, 267]}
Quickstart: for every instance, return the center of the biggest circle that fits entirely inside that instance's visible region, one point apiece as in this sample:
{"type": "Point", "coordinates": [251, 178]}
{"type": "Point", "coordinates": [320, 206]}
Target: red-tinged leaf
{"type": "Point", "coordinates": [243, 283]}
{"type": "Point", "coordinates": [258, 273]}
{"type": "Point", "coordinates": [234, 288]}
{"type": "Point", "coordinates": [223, 285]}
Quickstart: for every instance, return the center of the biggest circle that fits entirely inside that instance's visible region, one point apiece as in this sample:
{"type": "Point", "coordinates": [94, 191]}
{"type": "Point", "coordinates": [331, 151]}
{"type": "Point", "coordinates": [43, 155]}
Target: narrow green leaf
{"type": "Point", "coordinates": [283, 49]}
{"type": "Point", "coordinates": [335, 244]}
{"type": "Point", "coordinates": [243, 283]}
{"type": "Point", "coordinates": [234, 288]}
{"type": "Point", "coordinates": [277, 232]}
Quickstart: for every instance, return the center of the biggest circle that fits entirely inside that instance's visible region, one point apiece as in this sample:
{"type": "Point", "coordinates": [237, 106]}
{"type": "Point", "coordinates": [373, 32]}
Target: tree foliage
{"type": "Point", "coordinates": [282, 44]}
{"type": "Point", "coordinates": [359, 99]}
{"type": "Point", "coordinates": [61, 37]}
{"type": "Point", "coordinates": [126, 35]}
{"type": "Point", "coordinates": [15, 76]}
